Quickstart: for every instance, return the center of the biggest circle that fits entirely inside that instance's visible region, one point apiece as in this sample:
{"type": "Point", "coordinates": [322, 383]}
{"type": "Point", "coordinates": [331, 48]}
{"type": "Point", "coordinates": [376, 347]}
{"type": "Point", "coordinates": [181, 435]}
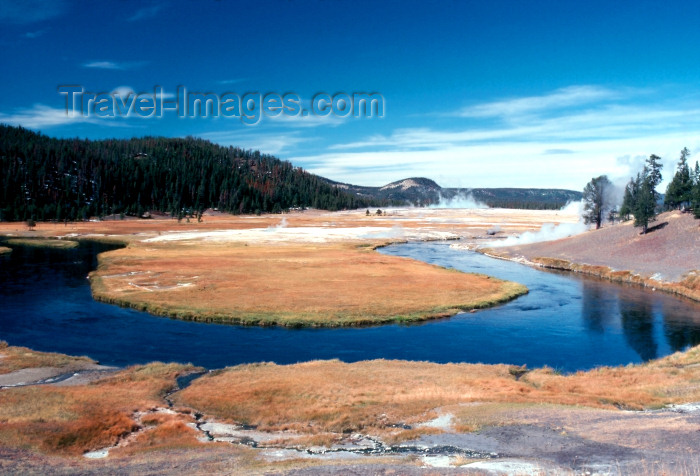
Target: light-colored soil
{"type": "Point", "coordinates": [457, 222]}
{"type": "Point", "coordinates": [668, 253]}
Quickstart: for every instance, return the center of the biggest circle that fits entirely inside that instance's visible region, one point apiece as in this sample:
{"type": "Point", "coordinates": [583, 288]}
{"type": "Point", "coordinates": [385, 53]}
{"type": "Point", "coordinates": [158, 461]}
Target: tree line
{"type": "Point", "coordinates": [45, 178]}
{"type": "Point", "coordinates": [641, 201]}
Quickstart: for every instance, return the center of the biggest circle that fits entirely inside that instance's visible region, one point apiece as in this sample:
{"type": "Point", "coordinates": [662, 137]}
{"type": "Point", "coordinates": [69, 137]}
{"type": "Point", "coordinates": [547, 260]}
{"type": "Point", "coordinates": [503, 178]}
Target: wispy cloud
{"type": "Point", "coordinates": [42, 116]}
{"type": "Point", "coordinates": [573, 134]}
{"type": "Point", "coordinates": [555, 100]}
{"type": "Point", "coordinates": [146, 12]}
{"type": "Point", "coordinates": [30, 11]}
{"type": "Point", "coordinates": [558, 151]}
{"type": "Point", "coordinates": [231, 81]}
{"type": "Point", "coordinates": [115, 65]}
{"type": "Point", "coordinates": [33, 34]}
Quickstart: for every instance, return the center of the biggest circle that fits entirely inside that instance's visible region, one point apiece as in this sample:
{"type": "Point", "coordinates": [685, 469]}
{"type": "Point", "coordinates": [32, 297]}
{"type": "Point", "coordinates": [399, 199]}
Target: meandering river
{"type": "Point", "coordinates": [567, 321]}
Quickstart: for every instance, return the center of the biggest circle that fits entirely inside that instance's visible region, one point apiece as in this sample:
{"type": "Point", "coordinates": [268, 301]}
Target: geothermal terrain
{"type": "Point", "coordinates": [66, 415]}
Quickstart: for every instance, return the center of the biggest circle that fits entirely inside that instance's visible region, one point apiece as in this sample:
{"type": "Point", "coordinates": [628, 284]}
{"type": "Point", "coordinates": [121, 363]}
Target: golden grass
{"type": "Point", "coordinates": [5, 250]}
{"type": "Point", "coordinates": [164, 432]}
{"type": "Point", "coordinates": [335, 284]}
{"type": "Point", "coordinates": [374, 396]}
{"type": "Point", "coordinates": [16, 358]}
{"type": "Point", "coordinates": [454, 220]}
{"type": "Point", "coordinates": [72, 420]}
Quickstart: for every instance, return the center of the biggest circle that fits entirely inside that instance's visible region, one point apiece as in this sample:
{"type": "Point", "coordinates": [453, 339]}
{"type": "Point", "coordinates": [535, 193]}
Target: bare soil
{"type": "Point", "coordinates": [670, 250]}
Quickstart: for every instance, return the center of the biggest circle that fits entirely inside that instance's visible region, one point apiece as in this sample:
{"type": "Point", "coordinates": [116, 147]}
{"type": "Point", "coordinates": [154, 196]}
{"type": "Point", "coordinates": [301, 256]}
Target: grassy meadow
{"type": "Point", "coordinates": [291, 284]}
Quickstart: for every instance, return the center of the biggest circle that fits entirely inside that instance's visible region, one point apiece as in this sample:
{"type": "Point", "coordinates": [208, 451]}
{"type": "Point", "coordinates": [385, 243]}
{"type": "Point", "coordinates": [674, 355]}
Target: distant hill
{"type": "Point", "coordinates": [423, 192]}
{"type": "Point", "coordinates": [414, 191]}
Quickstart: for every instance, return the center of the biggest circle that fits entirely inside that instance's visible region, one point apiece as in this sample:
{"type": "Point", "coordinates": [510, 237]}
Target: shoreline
{"type": "Point", "coordinates": [603, 272]}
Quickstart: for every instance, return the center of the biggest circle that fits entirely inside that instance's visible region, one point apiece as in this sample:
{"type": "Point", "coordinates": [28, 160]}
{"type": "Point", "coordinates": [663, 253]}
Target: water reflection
{"type": "Point", "coordinates": [637, 318]}
{"type": "Point", "coordinates": [597, 302]}
{"type": "Point", "coordinates": [678, 333]}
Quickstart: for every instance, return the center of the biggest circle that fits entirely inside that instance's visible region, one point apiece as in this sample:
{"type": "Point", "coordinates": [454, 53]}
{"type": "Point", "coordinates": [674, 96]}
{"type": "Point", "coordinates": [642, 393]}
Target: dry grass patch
{"type": "Point", "coordinates": [16, 358]}
{"type": "Point", "coordinates": [72, 420]}
{"type": "Point", "coordinates": [5, 250]}
{"type": "Point", "coordinates": [376, 397]}
{"type": "Point", "coordinates": [288, 284]}
{"type": "Point", "coordinates": [163, 431]}
{"type": "Point", "coordinates": [332, 396]}
{"type": "Point", "coordinates": [42, 243]}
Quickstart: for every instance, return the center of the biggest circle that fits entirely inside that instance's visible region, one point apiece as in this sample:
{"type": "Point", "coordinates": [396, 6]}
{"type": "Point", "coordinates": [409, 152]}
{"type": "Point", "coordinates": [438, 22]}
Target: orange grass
{"type": "Point", "coordinates": [371, 396]}
{"type": "Point", "coordinates": [129, 229]}
{"type": "Point", "coordinates": [16, 358]}
{"type": "Point", "coordinates": [42, 243]}
{"type": "Point", "coordinates": [164, 432]}
{"type": "Point", "coordinates": [288, 284]}
{"type": "Point", "coordinates": [72, 420]}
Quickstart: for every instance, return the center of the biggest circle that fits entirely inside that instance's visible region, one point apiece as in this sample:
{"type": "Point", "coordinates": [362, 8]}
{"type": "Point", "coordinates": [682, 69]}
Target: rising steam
{"type": "Point", "coordinates": [549, 231]}
{"type": "Point", "coordinates": [461, 200]}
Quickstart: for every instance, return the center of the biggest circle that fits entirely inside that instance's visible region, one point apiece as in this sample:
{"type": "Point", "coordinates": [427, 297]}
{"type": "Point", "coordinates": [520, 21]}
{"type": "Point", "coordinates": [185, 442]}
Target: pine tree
{"type": "Point", "coordinates": [595, 200]}
{"type": "Point", "coordinates": [645, 201]}
{"type": "Point", "coordinates": [680, 188]}
{"type": "Point", "coordinates": [695, 193]}
{"type": "Point", "coordinates": [628, 201]}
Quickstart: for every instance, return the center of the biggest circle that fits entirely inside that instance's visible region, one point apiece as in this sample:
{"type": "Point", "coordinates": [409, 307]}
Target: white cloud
{"type": "Point", "coordinates": [144, 13]}
{"type": "Point", "coordinates": [231, 81]}
{"type": "Point", "coordinates": [561, 98]}
{"type": "Point", "coordinates": [113, 64]}
{"type": "Point", "coordinates": [509, 163]}
{"type": "Point", "coordinates": [40, 116]}
{"type": "Point", "coordinates": [534, 142]}
{"type": "Point", "coordinates": [34, 34]}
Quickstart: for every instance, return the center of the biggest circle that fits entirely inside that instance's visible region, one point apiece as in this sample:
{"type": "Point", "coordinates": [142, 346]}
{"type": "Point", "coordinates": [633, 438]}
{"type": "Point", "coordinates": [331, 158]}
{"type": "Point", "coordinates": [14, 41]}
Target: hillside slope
{"type": "Point", "coordinates": [66, 179]}
{"type": "Point", "coordinates": [422, 191]}
{"type": "Point", "coordinates": [670, 252]}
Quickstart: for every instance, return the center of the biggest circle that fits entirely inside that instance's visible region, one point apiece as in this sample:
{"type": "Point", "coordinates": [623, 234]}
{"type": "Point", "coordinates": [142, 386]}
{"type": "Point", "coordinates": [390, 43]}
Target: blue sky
{"type": "Point", "coordinates": [477, 93]}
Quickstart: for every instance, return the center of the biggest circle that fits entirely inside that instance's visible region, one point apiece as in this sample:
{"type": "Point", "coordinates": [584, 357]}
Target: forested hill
{"type": "Point", "coordinates": [425, 192]}
{"type": "Point", "coordinates": [66, 179]}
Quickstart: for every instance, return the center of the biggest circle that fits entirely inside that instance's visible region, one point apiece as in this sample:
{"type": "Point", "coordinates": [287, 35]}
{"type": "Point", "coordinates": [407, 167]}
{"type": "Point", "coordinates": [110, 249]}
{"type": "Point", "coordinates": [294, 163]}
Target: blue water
{"type": "Point", "coordinates": [566, 321]}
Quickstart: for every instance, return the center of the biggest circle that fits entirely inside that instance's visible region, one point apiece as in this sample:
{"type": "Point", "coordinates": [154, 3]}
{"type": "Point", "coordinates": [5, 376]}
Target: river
{"type": "Point", "coordinates": [567, 322]}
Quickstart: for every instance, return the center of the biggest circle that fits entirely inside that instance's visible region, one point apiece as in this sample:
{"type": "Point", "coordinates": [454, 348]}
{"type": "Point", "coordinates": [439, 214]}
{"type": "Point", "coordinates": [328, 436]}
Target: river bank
{"type": "Point", "coordinates": [306, 269]}
{"type": "Point", "coordinates": [375, 416]}
{"type": "Point", "coordinates": [666, 259]}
